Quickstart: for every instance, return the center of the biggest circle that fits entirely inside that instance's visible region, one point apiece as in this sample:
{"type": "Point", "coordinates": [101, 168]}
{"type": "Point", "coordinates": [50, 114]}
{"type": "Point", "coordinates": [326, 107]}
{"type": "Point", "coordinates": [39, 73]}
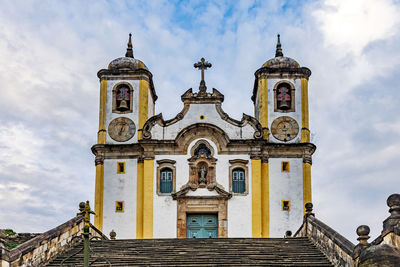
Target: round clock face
{"type": "Point", "coordinates": [284, 128]}
{"type": "Point", "coordinates": [121, 129]}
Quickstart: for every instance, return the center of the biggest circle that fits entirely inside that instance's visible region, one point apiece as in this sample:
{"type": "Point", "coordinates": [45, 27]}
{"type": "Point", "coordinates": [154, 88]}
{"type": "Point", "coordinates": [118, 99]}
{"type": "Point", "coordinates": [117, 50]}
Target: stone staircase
{"type": "Point", "coordinates": [198, 252]}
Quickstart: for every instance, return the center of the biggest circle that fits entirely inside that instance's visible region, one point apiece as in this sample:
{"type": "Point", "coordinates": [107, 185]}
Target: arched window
{"type": "Point", "coordinates": [166, 179]}
{"type": "Point", "coordinates": [122, 98]}
{"type": "Point", "coordinates": [284, 97]}
{"type": "Point", "coordinates": [238, 181]}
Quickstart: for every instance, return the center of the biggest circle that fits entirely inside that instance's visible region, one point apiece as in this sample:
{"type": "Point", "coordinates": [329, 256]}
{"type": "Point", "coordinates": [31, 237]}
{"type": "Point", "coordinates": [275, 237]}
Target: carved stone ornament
{"type": "Point", "coordinates": [121, 129]}
{"type": "Point", "coordinates": [284, 128]}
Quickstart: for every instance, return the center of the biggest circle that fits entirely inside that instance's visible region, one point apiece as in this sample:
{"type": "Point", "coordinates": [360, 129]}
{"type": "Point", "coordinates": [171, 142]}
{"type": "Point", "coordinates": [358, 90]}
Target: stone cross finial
{"type": "Point", "coordinates": [202, 65]}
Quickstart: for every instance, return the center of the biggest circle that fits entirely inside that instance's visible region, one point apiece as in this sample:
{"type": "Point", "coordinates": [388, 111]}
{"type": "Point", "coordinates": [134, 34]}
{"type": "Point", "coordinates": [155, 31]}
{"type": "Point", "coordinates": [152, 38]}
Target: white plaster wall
{"type": "Point", "coordinates": [272, 115]}
{"type": "Point", "coordinates": [120, 187]}
{"type": "Point", "coordinates": [165, 208]}
{"type": "Point", "coordinates": [285, 186]}
{"type": "Point", "coordinates": [211, 116]}
{"type": "Point", "coordinates": [133, 116]}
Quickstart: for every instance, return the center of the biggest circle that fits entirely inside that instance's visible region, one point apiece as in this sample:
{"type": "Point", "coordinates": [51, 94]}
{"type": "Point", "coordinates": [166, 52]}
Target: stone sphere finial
{"type": "Point", "coordinates": [393, 201]}
{"type": "Point", "coordinates": [363, 234]}
{"type": "Point", "coordinates": [81, 206]}
{"type": "Point", "coordinates": [113, 235]}
{"type": "Point", "coordinates": [363, 230]}
{"type": "Point", "coordinates": [309, 208]}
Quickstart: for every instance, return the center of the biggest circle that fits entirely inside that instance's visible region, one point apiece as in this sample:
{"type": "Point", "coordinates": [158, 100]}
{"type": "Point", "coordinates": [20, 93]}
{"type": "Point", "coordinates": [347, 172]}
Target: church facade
{"type": "Point", "coordinates": [202, 174]}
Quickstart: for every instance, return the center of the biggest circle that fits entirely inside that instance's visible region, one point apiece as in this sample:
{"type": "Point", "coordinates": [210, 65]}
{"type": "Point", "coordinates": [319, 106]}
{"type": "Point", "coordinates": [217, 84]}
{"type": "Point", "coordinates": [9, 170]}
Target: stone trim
{"type": "Point", "coordinates": [45, 247]}
{"type": "Point", "coordinates": [114, 98]}
{"type": "Point", "coordinates": [202, 205]}
{"type": "Point", "coordinates": [166, 163]}
{"type": "Point", "coordinates": [281, 73]}
{"type": "Point", "coordinates": [119, 74]}
{"type": "Point", "coordinates": [256, 148]}
{"type": "Point", "coordinates": [158, 119]}
{"type": "Point", "coordinates": [198, 143]}
{"type": "Point", "coordinates": [292, 96]}
{"type": "Point", "coordinates": [202, 98]}
{"type": "Point", "coordinates": [246, 119]}
{"type": "Point", "coordinates": [239, 163]}
{"type": "Point", "coordinates": [336, 248]}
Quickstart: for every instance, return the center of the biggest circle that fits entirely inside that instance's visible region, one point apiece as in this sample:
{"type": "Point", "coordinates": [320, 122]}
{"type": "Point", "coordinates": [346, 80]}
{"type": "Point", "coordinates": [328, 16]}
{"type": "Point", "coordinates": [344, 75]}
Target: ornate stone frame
{"type": "Point", "coordinates": [166, 163]}
{"type": "Point", "coordinates": [292, 95]}
{"type": "Point", "coordinates": [239, 163]}
{"type": "Point", "coordinates": [114, 98]}
{"type": "Point", "coordinates": [192, 205]}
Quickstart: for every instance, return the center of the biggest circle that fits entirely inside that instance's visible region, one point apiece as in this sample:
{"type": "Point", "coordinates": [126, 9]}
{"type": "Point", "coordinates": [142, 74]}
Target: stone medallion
{"type": "Point", "coordinates": [121, 129]}
{"type": "Point", "coordinates": [284, 128]}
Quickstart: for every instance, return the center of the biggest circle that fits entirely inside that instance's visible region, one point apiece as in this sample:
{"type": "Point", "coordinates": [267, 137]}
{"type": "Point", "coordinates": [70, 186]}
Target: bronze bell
{"type": "Point", "coordinates": [284, 105]}
{"type": "Point", "coordinates": [123, 105]}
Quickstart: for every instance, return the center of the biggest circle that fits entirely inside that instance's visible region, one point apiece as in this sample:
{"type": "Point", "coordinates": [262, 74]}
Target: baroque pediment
{"type": "Point", "coordinates": [217, 188]}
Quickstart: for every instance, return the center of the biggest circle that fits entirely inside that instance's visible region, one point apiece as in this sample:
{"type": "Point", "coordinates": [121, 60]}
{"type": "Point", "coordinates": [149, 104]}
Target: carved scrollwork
{"type": "Point", "coordinates": [158, 119]}
{"type": "Point", "coordinates": [246, 119]}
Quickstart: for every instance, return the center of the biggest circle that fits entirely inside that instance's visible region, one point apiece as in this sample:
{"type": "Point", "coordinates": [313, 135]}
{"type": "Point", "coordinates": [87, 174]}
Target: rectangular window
{"type": "Point", "coordinates": [119, 206]}
{"type": "Point", "coordinates": [120, 167]}
{"type": "Point", "coordinates": [285, 167]}
{"type": "Point", "coordinates": [286, 205]}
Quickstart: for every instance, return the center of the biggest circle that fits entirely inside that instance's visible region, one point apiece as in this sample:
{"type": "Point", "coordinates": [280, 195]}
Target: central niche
{"type": "Point", "coordinates": [202, 166]}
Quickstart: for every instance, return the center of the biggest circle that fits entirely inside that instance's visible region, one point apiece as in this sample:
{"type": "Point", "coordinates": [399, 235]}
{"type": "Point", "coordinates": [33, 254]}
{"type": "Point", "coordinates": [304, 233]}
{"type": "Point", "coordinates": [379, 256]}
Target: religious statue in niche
{"type": "Point", "coordinates": [202, 175]}
{"type": "Point", "coordinates": [283, 97]}
{"type": "Point", "coordinates": [123, 98]}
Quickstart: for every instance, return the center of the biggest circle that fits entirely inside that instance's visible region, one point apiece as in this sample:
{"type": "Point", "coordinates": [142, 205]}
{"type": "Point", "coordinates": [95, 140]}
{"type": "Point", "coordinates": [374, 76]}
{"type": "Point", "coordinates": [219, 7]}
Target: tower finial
{"type": "Point", "coordinates": [129, 50]}
{"type": "Point", "coordinates": [278, 52]}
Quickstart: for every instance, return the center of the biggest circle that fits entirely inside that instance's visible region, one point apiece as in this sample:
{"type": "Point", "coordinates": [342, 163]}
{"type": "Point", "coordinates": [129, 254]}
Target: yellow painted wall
{"type": "Point", "coordinates": [263, 105]}
{"type": "Point", "coordinates": [306, 184]}
{"type": "Point", "coordinates": [265, 199]}
{"type": "Point", "coordinates": [98, 197]}
{"type": "Point", "coordinates": [305, 131]}
{"type": "Point", "coordinates": [256, 197]}
{"type": "Point", "coordinates": [148, 172]}
{"type": "Point", "coordinates": [101, 135]}
{"type": "Point", "coordinates": [143, 105]}
{"type": "Point", "coordinates": [139, 201]}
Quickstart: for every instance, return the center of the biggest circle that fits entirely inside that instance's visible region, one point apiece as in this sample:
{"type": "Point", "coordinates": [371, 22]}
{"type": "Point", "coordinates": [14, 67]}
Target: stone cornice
{"type": "Point", "coordinates": [288, 73]}
{"type": "Point", "coordinates": [202, 97]}
{"type": "Point", "coordinates": [139, 74]}
{"type": "Point", "coordinates": [257, 149]}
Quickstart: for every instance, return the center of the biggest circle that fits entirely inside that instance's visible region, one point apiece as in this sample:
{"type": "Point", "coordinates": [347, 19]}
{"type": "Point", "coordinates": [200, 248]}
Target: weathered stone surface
{"type": "Point", "coordinates": [199, 252]}
{"type": "Point", "coordinates": [337, 248]}
{"type": "Point", "coordinates": [380, 255]}
{"type": "Point", "coordinates": [44, 247]}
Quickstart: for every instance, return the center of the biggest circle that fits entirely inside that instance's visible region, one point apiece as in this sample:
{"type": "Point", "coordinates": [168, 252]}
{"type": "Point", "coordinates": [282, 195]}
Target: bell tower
{"type": "Point", "coordinates": [280, 97]}
{"type": "Point", "coordinates": [127, 100]}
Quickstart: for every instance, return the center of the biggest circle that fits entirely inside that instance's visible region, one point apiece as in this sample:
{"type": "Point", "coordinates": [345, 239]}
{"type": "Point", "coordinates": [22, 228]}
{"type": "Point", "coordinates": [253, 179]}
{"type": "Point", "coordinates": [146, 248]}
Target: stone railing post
{"type": "Point", "coordinates": [389, 225]}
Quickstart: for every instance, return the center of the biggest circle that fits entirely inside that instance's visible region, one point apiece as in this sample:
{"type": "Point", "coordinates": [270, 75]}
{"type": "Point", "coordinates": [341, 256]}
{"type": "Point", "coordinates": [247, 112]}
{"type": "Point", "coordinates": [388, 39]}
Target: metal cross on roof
{"type": "Point", "coordinates": [202, 65]}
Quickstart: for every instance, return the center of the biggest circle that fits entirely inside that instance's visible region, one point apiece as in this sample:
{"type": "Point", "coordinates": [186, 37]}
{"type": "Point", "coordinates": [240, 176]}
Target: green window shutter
{"type": "Point", "coordinates": [238, 181]}
{"type": "Point", "coordinates": [166, 180]}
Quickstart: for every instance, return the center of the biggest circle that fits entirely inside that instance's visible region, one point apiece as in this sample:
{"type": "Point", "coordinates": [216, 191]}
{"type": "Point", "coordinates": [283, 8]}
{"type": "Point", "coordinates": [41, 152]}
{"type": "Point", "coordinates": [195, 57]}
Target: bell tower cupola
{"type": "Point", "coordinates": [127, 101]}
{"type": "Point", "coordinates": [280, 97]}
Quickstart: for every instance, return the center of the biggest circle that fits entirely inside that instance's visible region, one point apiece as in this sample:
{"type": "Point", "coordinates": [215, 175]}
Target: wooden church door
{"type": "Point", "coordinates": [202, 226]}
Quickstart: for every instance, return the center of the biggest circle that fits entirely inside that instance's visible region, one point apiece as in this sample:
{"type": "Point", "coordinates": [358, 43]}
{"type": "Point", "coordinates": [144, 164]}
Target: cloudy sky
{"type": "Point", "coordinates": [50, 52]}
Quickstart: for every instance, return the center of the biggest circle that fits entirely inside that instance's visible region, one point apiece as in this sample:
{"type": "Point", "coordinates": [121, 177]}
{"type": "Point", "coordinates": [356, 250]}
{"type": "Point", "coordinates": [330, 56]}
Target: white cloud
{"type": "Point", "coordinates": [49, 92]}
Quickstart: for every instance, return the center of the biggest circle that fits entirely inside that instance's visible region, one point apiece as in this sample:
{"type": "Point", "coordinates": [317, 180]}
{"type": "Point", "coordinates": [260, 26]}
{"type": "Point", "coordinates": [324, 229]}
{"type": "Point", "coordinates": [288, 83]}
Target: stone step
{"type": "Point", "coordinates": [195, 252]}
